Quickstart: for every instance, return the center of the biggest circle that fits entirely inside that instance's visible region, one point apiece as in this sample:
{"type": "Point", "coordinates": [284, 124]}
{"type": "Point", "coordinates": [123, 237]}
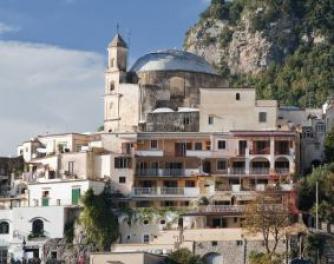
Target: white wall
{"type": "Point", "coordinates": [60, 191]}
{"type": "Point", "coordinates": [231, 114]}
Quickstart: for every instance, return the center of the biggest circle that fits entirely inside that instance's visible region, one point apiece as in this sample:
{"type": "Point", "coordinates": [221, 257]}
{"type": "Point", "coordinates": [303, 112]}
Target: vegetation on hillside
{"type": "Point", "coordinates": [302, 72]}
{"type": "Point", "coordinates": [99, 222]}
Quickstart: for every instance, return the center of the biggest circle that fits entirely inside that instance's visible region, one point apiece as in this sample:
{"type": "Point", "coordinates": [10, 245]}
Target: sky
{"type": "Point", "coordinates": [53, 55]}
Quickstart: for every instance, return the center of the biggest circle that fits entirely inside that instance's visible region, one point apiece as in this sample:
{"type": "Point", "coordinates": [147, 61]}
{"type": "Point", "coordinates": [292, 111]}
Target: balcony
{"type": "Point", "coordinates": [167, 172]}
{"type": "Point", "coordinates": [150, 153]}
{"type": "Point", "coordinates": [237, 171]}
{"type": "Point", "coordinates": [199, 153]}
{"type": "Point", "coordinates": [222, 209]}
{"type": "Point", "coordinates": [260, 171]}
{"type": "Point", "coordinates": [282, 171]}
{"type": "Point", "coordinates": [166, 191]}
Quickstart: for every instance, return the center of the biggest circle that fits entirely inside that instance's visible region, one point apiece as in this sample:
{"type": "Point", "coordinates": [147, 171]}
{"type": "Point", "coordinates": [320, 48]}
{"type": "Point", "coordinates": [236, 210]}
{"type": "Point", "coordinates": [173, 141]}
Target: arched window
{"type": "Point", "coordinates": [112, 86]}
{"type": "Point", "coordinates": [4, 228]}
{"type": "Point", "coordinates": [237, 96]}
{"type": "Point", "coordinates": [38, 227]}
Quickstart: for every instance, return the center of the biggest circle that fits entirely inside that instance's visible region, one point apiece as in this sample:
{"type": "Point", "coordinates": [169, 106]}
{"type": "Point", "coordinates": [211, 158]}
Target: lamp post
{"type": "Point", "coordinates": [24, 243]}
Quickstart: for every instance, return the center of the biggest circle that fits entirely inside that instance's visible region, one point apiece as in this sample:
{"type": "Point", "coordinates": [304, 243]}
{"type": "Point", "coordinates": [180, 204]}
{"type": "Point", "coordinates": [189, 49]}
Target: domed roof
{"type": "Point", "coordinates": [172, 60]}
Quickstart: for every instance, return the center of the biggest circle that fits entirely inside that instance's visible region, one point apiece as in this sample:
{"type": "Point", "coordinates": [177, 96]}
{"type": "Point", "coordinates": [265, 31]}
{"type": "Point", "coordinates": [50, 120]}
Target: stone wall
{"type": "Point", "coordinates": [236, 251]}
{"type": "Point", "coordinates": [173, 121]}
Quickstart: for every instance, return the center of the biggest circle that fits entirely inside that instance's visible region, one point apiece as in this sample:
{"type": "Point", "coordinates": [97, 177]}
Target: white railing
{"type": "Point", "coordinates": [199, 153]}
{"type": "Point", "coordinates": [237, 171]}
{"type": "Point", "coordinates": [260, 171]}
{"type": "Point", "coordinates": [150, 153]}
{"type": "Point", "coordinates": [222, 208]}
{"type": "Point", "coordinates": [173, 191]}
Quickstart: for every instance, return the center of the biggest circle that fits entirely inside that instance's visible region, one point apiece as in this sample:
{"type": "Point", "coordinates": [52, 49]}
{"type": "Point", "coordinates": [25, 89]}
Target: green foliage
{"type": "Point", "coordinates": [98, 220]}
{"type": "Point", "coordinates": [303, 71]}
{"type": "Point", "coordinates": [183, 256]}
{"type": "Point", "coordinates": [315, 246]}
{"type": "Point", "coordinates": [262, 258]}
{"type": "Point", "coordinates": [306, 192]}
{"type": "Point", "coordinates": [69, 232]}
{"type": "Point", "coordinates": [100, 128]}
{"type": "Point", "coordinates": [329, 146]}
{"type": "Point", "coordinates": [225, 37]}
{"type": "Point", "coordinates": [219, 9]}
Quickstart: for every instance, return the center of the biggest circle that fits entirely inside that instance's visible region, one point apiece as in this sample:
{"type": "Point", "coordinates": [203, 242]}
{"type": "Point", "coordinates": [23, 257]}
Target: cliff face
{"type": "Point", "coordinates": [245, 39]}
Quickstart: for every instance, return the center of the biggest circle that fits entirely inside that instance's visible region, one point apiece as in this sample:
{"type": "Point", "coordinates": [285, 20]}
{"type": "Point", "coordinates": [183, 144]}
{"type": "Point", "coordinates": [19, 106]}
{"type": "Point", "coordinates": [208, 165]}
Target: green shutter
{"type": "Point", "coordinates": [45, 201]}
{"type": "Point", "coordinates": [75, 196]}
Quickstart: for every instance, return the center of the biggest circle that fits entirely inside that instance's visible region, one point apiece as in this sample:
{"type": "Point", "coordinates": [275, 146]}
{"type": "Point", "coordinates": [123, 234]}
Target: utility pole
{"type": "Point", "coordinates": [317, 206]}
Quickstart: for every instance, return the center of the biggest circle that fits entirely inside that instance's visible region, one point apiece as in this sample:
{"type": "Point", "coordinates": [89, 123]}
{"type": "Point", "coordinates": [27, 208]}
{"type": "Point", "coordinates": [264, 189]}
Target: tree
{"type": "Point", "coordinates": [263, 258]}
{"type": "Point", "coordinates": [183, 256]}
{"type": "Point", "coordinates": [315, 246]}
{"type": "Point", "coordinates": [266, 216]}
{"type": "Point", "coordinates": [98, 220]}
{"type": "Point", "coordinates": [329, 146]}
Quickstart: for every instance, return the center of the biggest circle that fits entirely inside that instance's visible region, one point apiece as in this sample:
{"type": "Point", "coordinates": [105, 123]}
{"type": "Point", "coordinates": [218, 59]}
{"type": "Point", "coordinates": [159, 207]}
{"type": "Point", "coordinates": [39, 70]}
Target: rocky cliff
{"type": "Point", "coordinates": [267, 44]}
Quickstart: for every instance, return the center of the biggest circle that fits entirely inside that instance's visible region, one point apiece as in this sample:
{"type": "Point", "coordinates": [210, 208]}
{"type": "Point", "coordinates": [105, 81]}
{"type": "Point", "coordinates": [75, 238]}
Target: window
{"type": "Point", "coordinates": [239, 242]}
{"type": "Point", "coordinates": [112, 62]}
{"type": "Point", "coordinates": [184, 203]}
{"type": "Point", "coordinates": [221, 165]}
{"type": "Point", "coordinates": [211, 120]}
{"type": "Point", "coordinates": [146, 238]}
{"type": "Point", "coordinates": [214, 243]}
{"type": "Point", "coordinates": [146, 222]}
{"type": "Point", "coordinates": [3, 255]}
{"type": "Point", "coordinates": [320, 128]}
{"type": "Point", "coordinates": [208, 145]}
{"type": "Point", "coordinates": [38, 227]}
{"type": "Point", "coordinates": [122, 179]}
{"type": "Point", "coordinates": [70, 168]}
{"type": "Point", "coordinates": [162, 221]}
{"type": "Point", "coordinates": [221, 144]}
{"type": "Point", "coordinates": [4, 228]}
{"type": "Point", "coordinates": [112, 86]}
{"type": "Point", "coordinates": [198, 146]}
{"type": "Point", "coordinates": [168, 203]}
{"type": "Point", "coordinates": [237, 96]}
{"type": "Point", "coordinates": [262, 117]}
{"type": "Point", "coordinates": [76, 196]}
{"type": "Point", "coordinates": [190, 184]}
{"type": "Point", "coordinates": [186, 120]}
{"type": "Point", "coordinates": [154, 144]}
{"type": "Point", "coordinates": [122, 163]}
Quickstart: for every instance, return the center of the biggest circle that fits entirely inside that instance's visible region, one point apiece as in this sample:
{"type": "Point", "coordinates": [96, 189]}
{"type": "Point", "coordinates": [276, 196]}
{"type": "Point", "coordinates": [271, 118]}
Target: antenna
{"type": "Point", "coordinates": [117, 28]}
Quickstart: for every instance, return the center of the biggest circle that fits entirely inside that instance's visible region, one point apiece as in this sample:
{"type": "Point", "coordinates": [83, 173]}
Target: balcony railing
{"type": "Point", "coordinates": [260, 171]}
{"type": "Point", "coordinates": [222, 209]}
{"type": "Point", "coordinates": [155, 172]}
{"type": "Point", "coordinates": [150, 153]}
{"type": "Point", "coordinates": [282, 171]}
{"type": "Point", "coordinates": [172, 191]}
{"type": "Point", "coordinates": [237, 171]}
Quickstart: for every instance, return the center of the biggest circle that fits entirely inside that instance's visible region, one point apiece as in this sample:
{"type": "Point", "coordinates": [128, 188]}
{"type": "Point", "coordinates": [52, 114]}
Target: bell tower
{"type": "Point", "coordinates": [115, 74]}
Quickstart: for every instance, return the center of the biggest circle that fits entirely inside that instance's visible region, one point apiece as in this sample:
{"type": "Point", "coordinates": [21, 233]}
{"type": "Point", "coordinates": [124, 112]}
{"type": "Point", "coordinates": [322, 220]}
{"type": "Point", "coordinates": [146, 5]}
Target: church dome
{"type": "Point", "coordinates": [172, 60]}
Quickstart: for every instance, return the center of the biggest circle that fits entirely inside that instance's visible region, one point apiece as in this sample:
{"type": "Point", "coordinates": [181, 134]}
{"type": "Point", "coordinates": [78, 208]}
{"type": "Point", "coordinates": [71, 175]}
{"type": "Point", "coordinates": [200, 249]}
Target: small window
{"type": "Point", "coordinates": [262, 117]}
{"type": "Point", "coordinates": [184, 203]}
{"type": "Point", "coordinates": [190, 184]}
{"type": "Point", "coordinates": [122, 163]}
{"type": "Point", "coordinates": [221, 165]}
{"type": "Point", "coordinates": [186, 120]}
{"type": "Point", "coordinates": [154, 144]}
{"type": "Point", "coordinates": [112, 86]}
{"type": "Point", "coordinates": [4, 228]}
{"type": "Point", "coordinates": [237, 96]}
{"type": "Point", "coordinates": [214, 243]}
{"type": "Point", "coordinates": [128, 237]}
{"type": "Point", "coordinates": [146, 238]}
{"type": "Point", "coordinates": [239, 242]}
{"type": "Point", "coordinates": [162, 221]}
{"type": "Point", "coordinates": [122, 179]}
{"type": "Point", "coordinates": [146, 222]}
{"type": "Point", "coordinates": [221, 144]}
{"type": "Point", "coordinates": [198, 146]}
{"type": "Point", "coordinates": [211, 120]}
